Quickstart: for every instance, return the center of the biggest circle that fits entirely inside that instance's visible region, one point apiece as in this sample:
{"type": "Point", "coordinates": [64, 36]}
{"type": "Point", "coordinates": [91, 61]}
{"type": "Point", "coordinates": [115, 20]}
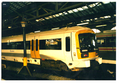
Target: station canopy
{"type": "Point", "coordinates": [43, 16]}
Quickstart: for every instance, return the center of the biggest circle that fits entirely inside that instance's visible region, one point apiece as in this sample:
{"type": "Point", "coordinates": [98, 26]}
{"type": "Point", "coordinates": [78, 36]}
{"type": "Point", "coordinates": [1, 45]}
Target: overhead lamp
{"type": "Point", "coordinates": [101, 25]}
{"type": "Point", "coordinates": [46, 17]}
{"type": "Point", "coordinates": [65, 13]}
{"type": "Point", "coordinates": [101, 17]}
{"type": "Point", "coordinates": [50, 16]}
{"type": "Point", "coordinates": [92, 5]}
{"type": "Point", "coordinates": [54, 16]}
{"type": "Point", "coordinates": [88, 20]}
{"type": "Point", "coordinates": [9, 27]}
{"type": "Point", "coordinates": [37, 20]}
{"type": "Point", "coordinates": [75, 10]}
{"type": "Point", "coordinates": [107, 16]}
{"type": "Point", "coordinates": [80, 9]}
{"type": "Point", "coordinates": [85, 7]}
{"type": "Point", "coordinates": [57, 15]}
{"type": "Point", "coordinates": [70, 11]}
{"type": "Point", "coordinates": [60, 13]}
{"type": "Point", "coordinates": [83, 23]}
{"type": "Point", "coordinates": [23, 23]}
{"type": "Point", "coordinates": [95, 18]}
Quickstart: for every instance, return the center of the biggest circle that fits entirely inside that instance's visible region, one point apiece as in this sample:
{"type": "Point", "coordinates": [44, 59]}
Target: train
{"type": "Point", "coordinates": [106, 42]}
{"type": "Point", "coordinates": [68, 48]}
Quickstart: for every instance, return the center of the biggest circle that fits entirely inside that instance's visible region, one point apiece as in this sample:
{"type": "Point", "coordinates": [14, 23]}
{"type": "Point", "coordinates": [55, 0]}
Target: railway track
{"type": "Point", "coordinates": [106, 72]}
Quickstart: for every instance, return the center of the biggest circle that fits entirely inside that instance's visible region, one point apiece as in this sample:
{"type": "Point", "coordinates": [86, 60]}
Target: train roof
{"type": "Point", "coordinates": [107, 33]}
{"type": "Point", "coordinates": [50, 32]}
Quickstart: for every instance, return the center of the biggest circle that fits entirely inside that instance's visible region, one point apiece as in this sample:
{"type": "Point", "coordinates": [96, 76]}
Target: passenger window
{"type": "Point", "coordinates": [101, 42]}
{"type": "Point", "coordinates": [54, 44]}
{"type": "Point", "coordinates": [67, 43]}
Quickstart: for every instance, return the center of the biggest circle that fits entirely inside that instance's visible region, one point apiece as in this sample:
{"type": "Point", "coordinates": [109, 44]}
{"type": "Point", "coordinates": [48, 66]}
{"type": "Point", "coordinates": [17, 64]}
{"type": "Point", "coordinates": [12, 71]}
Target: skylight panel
{"type": "Point", "coordinates": [92, 5]}
{"type": "Point", "coordinates": [70, 11]}
{"type": "Point", "coordinates": [91, 19]}
{"type": "Point", "coordinates": [41, 19]}
{"type": "Point", "coordinates": [57, 15]}
{"type": "Point", "coordinates": [47, 18]}
{"type": "Point", "coordinates": [54, 16]}
{"type": "Point", "coordinates": [50, 16]}
{"type": "Point", "coordinates": [65, 13]}
{"type": "Point", "coordinates": [87, 20]}
{"type": "Point", "coordinates": [75, 10]}
{"type": "Point", "coordinates": [95, 18]}
{"type": "Point", "coordinates": [85, 7]}
{"type": "Point", "coordinates": [80, 9]}
{"type": "Point", "coordinates": [60, 13]}
{"type": "Point", "coordinates": [101, 17]}
{"type": "Point", "coordinates": [99, 4]}
{"type": "Point", "coordinates": [107, 16]}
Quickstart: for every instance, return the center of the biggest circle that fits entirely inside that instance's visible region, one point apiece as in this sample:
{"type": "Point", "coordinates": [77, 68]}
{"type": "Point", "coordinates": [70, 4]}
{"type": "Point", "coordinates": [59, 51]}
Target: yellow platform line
{"type": "Point", "coordinates": [109, 61]}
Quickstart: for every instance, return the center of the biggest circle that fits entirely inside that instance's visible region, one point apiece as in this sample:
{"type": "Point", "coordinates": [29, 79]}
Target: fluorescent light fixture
{"type": "Point", "coordinates": [37, 20]}
{"type": "Point", "coordinates": [101, 25]}
{"type": "Point", "coordinates": [114, 14]}
{"type": "Point", "coordinates": [87, 20]}
{"type": "Point", "coordinates": [95, 18]}
{"type": "Point", "coordinates": [55, 28]}
{"type": "Point", "coordinates": [41, 19]}
{"type": "Point", "coordinates": [65, 13]}
{"type": "Point", "coordinates": [85, 7]}
{"type": "Point", "coordinates": [75, 10]}
{"type": "Point", "coordinates": [70, 11]}
{"type": "Point", "coordinates": [101, 17]}
{"type": "Point", "coordinates": [107, 16]}
{"type": "Point", "coordinates": [46, 17]}
{"type": "Point", "coordinates": [54, 16]}
{"type": "Point", "coordinates": [50, 16]}
{"type": "Point", "coordinates": [80, 9]}
{"type": "Point", "coordinates": [57, 15]}
{"type": "Point", "coordinates": [99, 4]}
{"type": "Point", "coordinates": [60, 13]}
{"type": "Point", "coordinates": [9, 27]}
{"type": "Point", "coordinates": [36, 31]}
{"type": "Point", "coordinates": [91, 19]}
{"type": "Point", "coordinates": [82, 23]}
{"type": "Point", "coordinates": [92, 5]}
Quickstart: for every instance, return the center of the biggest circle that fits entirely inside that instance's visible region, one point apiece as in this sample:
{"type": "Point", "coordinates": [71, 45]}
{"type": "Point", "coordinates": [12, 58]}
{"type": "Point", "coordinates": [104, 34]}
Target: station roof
{"type": "Point", "coordinates": [47, 15]}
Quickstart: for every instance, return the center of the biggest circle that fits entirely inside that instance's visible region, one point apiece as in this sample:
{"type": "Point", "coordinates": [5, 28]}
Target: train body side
{"type": "Point", "coordinates": [56, 45]}
{"type": "Point", "coordinates": [107, 44]}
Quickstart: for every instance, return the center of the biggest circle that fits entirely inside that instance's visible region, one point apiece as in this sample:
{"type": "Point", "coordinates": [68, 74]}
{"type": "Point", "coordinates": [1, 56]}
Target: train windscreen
{"type": "Point", "coordinates": [87, 42]}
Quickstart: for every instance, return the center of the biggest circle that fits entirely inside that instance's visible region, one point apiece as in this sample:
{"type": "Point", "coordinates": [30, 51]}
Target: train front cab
{"type": "Point", "coordinates": [85, 52]}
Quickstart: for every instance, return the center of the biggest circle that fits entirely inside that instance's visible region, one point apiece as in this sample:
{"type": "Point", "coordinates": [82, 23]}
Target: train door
{"type": "Point", "coordinates": [34, 48]}
{"type": "Point", "coordinates": [68, 47]}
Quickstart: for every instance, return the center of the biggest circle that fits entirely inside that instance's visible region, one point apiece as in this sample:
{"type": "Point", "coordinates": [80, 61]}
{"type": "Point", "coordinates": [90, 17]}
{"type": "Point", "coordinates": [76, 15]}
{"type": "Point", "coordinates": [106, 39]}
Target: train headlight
{"type": "Point", "coordinates": [83, 55]}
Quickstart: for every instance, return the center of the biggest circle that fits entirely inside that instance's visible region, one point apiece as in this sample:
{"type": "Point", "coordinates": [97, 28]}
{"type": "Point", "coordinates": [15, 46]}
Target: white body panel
{"type": "Point", "coordinates": [63, 55]}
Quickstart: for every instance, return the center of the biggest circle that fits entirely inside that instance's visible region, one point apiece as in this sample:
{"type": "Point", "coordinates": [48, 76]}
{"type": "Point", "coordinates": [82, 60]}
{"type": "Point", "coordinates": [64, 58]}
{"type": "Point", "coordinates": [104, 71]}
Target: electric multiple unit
{"type": "Point", "coordinates": [66, 48]}
{"type": "Point", "coordinates": [106, 42]}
